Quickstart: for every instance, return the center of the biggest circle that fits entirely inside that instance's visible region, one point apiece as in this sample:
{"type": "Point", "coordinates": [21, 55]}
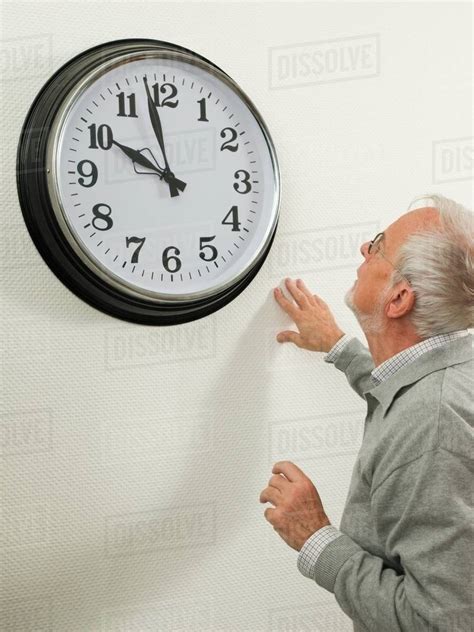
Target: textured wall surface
{"type": "Point", "coordinates": [133, 457]}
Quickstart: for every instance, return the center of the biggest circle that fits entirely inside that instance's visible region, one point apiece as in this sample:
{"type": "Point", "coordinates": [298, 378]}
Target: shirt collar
{"type": "Point", "coordinates": [404, 357]}
{"type": "Point", "coordinates": [458, 351]}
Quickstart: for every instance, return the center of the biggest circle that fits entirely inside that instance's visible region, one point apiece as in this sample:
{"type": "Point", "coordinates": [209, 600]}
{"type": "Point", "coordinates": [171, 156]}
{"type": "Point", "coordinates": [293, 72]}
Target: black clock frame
{"type": "Point", "coordinates": [42, 223]}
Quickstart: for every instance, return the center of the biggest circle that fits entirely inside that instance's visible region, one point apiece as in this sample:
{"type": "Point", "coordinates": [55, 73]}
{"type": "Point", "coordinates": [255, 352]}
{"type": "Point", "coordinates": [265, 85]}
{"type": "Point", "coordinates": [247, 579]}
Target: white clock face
{"type": "Point", "coordinates": [175, 225]}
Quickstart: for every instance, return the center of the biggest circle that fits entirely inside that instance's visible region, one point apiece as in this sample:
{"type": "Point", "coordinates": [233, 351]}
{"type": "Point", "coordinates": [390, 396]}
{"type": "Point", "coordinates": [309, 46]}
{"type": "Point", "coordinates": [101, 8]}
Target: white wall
{"type": "Point", "coordinates": [133, 457]}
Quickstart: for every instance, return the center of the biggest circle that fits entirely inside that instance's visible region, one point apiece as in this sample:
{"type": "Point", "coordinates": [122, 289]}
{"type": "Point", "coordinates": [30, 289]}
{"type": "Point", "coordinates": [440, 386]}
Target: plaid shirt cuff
{"type": "Point", "coordinates": [313, 547]}
{"type": "Point", "coordinates": [332, 355]}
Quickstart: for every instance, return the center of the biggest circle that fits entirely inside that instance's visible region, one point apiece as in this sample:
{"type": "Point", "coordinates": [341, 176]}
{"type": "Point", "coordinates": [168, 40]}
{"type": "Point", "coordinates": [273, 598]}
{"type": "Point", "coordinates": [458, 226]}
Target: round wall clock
{"type": "Point", "coordinates": [148, 181]}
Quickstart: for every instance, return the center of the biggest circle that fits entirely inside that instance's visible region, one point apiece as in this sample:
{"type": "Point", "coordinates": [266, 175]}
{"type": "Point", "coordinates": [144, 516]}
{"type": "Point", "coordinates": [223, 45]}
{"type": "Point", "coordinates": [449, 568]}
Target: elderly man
{"type": "Point", "coordinates": [402, 559]}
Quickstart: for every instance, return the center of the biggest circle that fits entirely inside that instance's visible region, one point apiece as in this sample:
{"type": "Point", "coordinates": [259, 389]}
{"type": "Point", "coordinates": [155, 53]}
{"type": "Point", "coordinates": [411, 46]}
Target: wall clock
{"type": "Point", "coordinates": [148, 181]}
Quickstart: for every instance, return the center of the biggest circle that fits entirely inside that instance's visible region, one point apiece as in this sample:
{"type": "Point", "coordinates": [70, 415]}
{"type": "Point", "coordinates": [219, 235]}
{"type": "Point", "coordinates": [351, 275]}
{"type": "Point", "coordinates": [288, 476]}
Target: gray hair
{"type": "Point", "coordinates": [438, 262]}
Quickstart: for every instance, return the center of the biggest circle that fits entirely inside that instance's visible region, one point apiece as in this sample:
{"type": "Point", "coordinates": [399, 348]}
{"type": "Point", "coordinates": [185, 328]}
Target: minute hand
{"type": "Point", "coordinates": [156, 124]}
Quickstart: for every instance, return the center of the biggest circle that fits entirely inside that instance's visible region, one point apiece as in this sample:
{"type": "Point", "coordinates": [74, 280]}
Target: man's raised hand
{"type": "Point", "coordinates": [317, 329]}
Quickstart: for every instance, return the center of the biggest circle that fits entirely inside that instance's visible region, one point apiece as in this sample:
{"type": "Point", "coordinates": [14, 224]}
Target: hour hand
{"type": "Point", "coordinates": [138, 157]}
{"type": "Point", "coordinates": [140, 169]}
{"type": "Point", "coordinates": [142, 160]}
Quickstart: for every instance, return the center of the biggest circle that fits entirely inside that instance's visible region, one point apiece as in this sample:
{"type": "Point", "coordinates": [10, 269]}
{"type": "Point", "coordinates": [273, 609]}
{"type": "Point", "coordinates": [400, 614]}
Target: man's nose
{"type": "Point", "coordinates": [364, 249]}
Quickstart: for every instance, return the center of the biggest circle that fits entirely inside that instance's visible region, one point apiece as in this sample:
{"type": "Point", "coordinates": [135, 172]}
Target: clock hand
{"type": "Point", "coordinates": [156, 124]}
{"type": "Point", "coordinates": [137, 157]}
{"type": "Point", "coordinates": [142, 160]}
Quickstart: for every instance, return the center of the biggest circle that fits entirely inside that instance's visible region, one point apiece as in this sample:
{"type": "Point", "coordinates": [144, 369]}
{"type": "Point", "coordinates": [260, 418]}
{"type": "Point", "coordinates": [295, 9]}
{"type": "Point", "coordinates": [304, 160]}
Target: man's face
{"type": "Point", "coordinates": [366, 296]}
{"type": "Point", "coordinates": [363, 297]}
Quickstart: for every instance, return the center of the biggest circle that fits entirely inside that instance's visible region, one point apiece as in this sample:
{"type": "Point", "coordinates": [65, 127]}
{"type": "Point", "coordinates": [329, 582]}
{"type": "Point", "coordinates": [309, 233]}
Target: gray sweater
{"type": "Point", "coordinates": [405, 560]}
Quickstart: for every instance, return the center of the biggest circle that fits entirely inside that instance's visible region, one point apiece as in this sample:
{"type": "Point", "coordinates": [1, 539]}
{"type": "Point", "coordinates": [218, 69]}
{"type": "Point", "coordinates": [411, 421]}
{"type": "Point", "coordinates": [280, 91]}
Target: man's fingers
{"type": "Point", "coordinates": [270, 495]}
{"type": "Point", "coordinates": [299, 296]}
{"type": "Point", "coordinates": [302, 286]}
{"type": "Point", "coordinates": [289, 307]}
{"type": "Point", "coordinates": [319, 300]}
{"type": "Point", "coordinates": [278, 481]}
{"type": "Point", "coordinates": [290, 470]}
{"type": "Point", "coordinates": [289, 336]}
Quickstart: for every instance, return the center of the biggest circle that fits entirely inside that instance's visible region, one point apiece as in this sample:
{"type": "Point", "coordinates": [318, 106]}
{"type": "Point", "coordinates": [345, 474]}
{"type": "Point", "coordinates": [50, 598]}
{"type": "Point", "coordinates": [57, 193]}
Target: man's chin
{"type": "Point", "coordinates": [369, 323]}
{"type": "Point", "coordinates": [364, 320]}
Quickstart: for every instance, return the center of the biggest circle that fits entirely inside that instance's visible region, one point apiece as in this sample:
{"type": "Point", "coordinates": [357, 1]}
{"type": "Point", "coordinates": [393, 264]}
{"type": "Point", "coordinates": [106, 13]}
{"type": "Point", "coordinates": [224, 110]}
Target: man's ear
{"type": "Point", "coordinates": [402, 301]}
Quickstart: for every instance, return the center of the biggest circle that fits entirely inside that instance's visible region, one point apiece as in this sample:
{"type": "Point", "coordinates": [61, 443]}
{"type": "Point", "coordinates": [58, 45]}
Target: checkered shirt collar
{"type": "Point", "coordinates": [401, 359]}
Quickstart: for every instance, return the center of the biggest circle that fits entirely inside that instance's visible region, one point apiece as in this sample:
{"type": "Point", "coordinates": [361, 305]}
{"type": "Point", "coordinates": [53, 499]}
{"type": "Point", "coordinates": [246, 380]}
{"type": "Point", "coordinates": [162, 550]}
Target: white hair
{"type": "Point", "coordinates": [438, 262]}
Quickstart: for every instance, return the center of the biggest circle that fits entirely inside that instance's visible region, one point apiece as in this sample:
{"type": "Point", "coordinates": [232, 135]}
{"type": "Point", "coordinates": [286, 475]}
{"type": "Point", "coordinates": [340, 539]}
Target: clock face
{"type": "Point", "coordinates": [148, 181]}
{"type": "Point", "coordinates": [108, 176]}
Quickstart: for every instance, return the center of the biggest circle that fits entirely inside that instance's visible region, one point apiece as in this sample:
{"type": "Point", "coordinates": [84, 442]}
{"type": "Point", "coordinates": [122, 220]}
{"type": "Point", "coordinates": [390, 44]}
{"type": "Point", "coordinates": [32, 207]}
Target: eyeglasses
{"type": "Point", "coordinates": [374, 248]}
{"type": "Point", "coordinates": [374, 244]}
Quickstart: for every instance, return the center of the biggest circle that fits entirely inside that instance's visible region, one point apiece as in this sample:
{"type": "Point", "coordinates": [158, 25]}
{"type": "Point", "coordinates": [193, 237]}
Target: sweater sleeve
{"type": "Point", "coordinates": [428, 586]}
{"type": "Point", "coordinates": [356, 362]}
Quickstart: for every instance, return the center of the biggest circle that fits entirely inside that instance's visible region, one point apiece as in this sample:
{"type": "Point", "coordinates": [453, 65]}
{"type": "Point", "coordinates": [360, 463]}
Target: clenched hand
{"type": "Point", "coordinates": [298, 511]}
{"type": "Point", "coordinates": [317, 329]}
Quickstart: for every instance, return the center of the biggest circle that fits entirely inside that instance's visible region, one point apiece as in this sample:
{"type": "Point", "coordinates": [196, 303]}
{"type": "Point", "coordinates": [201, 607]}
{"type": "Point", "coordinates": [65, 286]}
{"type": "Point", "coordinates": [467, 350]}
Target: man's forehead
{"type": "Point", "coordinates": [417, 219]}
